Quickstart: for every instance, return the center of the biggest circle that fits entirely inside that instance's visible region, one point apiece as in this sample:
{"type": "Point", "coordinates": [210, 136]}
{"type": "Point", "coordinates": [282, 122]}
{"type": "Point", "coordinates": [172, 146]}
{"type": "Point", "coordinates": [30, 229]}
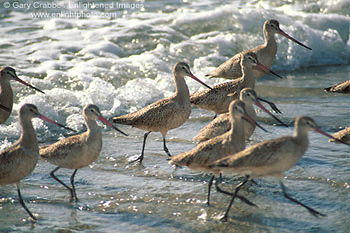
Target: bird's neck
{"type": "Point", "coordinates": [182, 92]}
{"type": "Point", "coordinates": [302, 137]}
{"type": "Point", "coordinates": [6, 94]}
{"type": "Point", "coordinates": [249, 109]}
{"type": "Point", "coordinates": [237, 131]}
{"type": "Point", "coordinates": [92, 128]}
{"type": "Point", "coordinates": [28, 137]}
{"type": "Point", "coordinates": [247, 79]}
{"type": "Point", "coordinates": [270, 42]}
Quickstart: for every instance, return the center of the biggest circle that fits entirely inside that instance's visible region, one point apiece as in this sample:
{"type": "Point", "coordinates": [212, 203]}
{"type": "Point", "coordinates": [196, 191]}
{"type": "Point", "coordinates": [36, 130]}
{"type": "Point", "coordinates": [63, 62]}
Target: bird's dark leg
{"type": "Point", "coordinates": [140, 158]}
{"type": "Point", "coordinates": [73, 187]}
{"type": "Point", "coordinates": [234, 195]}
{"type": "Point", "coordinates": [312, 211]}
{"type": "Point", "coordinates": [165, 148]}
{"type": "Point", "coordinates": [61, 182]}
{"type": "Point", "coordinates": [209, 188]}
{"type": "Point", "coordinates": [22, 203]}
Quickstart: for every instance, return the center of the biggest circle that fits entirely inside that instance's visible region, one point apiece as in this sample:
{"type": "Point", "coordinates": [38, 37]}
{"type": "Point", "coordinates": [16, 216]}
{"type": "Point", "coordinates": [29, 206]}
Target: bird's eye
{"type": "Point", "coordinates": [309, 123]}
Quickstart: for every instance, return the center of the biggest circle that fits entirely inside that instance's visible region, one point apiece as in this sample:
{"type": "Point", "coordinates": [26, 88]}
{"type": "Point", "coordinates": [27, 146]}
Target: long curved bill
{"type": "Point", "coordinates": [253, 122]}
{"type": "Point", "coordinates": [267, 70]}
{"type": "Point", "coordinates": [44, 118]}
{"type": "Point", "coordinates": [330, 136]}
{"type": "Point", "coordinates": [198, 80]}
{"type": "Point", "coordinates": [101, 118]}
{"type": "Point", "coordinates": [27, 84]}
{"type": "Point", "coordinates": [257, 103]}
{"type": "Point", "coordinates": [292, 39]}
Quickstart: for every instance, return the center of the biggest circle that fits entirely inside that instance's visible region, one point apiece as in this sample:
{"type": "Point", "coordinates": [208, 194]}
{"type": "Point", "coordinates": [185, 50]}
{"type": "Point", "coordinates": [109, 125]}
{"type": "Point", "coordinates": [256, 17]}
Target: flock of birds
{"type": "Point", "coordinates": [221, 147]}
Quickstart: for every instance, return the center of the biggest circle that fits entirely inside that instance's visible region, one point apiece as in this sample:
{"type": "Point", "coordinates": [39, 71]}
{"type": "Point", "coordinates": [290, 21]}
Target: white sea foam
{"type": "Point", "coordinates": [122, 64]}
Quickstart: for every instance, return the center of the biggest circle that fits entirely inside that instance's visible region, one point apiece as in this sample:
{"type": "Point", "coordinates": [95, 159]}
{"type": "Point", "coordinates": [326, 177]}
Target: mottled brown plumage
{"type": "Point", "coordinates": [343, 87]}
{"type": "Point", "coordinates": [160, 116]}
{"type": "Point", "coordinates": [218, 147]}
{"type": "Point", "coordinates": [266, 53]}
{"type": "Point", "coordinates": [213, 149]}
{"type": "Point", "coordinates": [219, 98]}
{"type": "Point", "coordinates": [271, 157]}
{"type": "Point", "coordinates": [221, 124]}
{"type": "Point", "coordinates": [6, 94]}
{"type": "Point", "coordinates": [77, 151]}
{"type": "Point", "coordinates": [165, 114]}
{"type": "Point", "coordinates": [19, 160]}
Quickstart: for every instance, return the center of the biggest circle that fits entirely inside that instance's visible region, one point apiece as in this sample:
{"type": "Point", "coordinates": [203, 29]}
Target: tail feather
{"type": "Point", "coordinates": [123, 120]}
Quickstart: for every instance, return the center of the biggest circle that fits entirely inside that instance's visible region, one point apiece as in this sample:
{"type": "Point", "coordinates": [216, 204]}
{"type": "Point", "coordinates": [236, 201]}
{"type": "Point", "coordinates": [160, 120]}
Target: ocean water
{"type": "Point", "coordinates": [119, 56]}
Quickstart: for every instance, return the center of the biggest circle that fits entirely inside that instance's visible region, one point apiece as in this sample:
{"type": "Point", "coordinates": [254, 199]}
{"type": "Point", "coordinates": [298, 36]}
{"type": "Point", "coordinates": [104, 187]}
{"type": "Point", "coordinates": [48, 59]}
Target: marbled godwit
{"type": "Point", "coordinates": [77, 151]}
{"type": "Point", "coordinates": [19, 160]}
{"type": "Point", "coordinates": [270, 158]}
{"type": "Point", "coordinates": [218, 147]}
{"type": "Point", "coordinates": [342, 135]}
{"type": "Point", "coordinates": [266, 52]}
{"type": "Point", "coordinates": [6, 94]}
{"type": "Point", "coordinates": [221, 124]}
{"type": "Point", "coordinates": [164, 114]}
{"type": "Point", "coordinates": [343, 87]}
{"type": "Point", "coordinates": [218, 99]}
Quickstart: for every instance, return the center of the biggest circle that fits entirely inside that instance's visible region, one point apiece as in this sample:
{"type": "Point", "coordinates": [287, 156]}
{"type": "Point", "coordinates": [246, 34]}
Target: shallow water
{"type": "Point", "coordinates": [123, 62]}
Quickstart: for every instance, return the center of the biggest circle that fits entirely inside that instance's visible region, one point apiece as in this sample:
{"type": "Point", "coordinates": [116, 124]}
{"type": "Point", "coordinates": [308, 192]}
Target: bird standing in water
{"type": "Point", "coordinates": [164, 114]}
{"type": "Point", "coordinates": [221, 124]}
{"type": "Point", "coordinates": [218, 147]}
{"type": "Point", "coordinates": [77, 151]}
{"type": "Point", "coordinates": [19, 160]}
{"type": "Point", "coordinates": [266, 53]}
{"type": "Point", "coordinates": [220, 96]}
{"type": "Point", "coordinates": [270, 158]}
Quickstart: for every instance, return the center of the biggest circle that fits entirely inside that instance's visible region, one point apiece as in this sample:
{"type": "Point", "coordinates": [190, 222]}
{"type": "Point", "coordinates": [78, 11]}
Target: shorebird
{"type": "Point", "coordinates": [221, 124]}
{"type": "Point", "coordinates": [218, 99]}
{"type": "Point", "coordinates": [6, 94]}
{"type": "Point", "coordinates": [343, 87]}
{"type": "Point", "coordinates": [164, 114]}
{"type": "Point", "coordinates": [342, 135]}
{"type": "Point", "coordinates": [270, 158]}
{"type": "Point", "coordinates": [18, 160]}
{"type": "Point", "coordinates": [77, 151]}
{"type": "Point", "coordinates": [266, 53]}
{"type": "Point", "coordinates": [218, 147]}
